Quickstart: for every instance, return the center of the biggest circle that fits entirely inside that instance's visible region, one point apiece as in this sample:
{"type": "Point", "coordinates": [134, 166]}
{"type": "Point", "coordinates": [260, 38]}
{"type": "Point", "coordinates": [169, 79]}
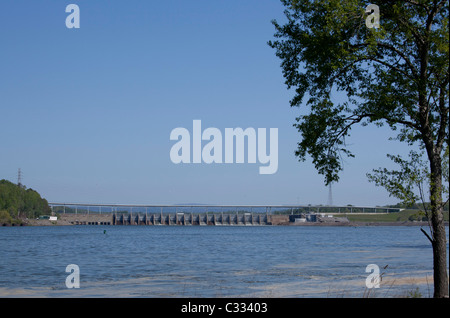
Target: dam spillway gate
{"type": "Point", "coordinates": [191, 219]}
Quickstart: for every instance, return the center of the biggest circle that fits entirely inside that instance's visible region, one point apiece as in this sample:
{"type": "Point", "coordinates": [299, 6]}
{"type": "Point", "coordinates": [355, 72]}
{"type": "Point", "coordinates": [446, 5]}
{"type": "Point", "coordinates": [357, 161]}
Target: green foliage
{"type": "Point", "coordinates": [19, 202]}
{"type": "Point", "coordinates": [405, 182]}
{"type": "Point", "coordinates": [402, 216]}
{"type": "Point", "coordinates": [409, 182]}
{"type": "Point", "coordinates": [395, 75]}
{"type": "Point", "coordinates": [5, 218]}
{"type": "Point", "coordinates": [415, 293]}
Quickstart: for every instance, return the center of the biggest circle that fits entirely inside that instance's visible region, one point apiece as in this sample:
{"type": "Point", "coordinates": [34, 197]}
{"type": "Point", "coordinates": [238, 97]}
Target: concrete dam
{"type": "Point", "coordinates": [242, 219]}
{"type": "Point", "coordinates": [200, 215]}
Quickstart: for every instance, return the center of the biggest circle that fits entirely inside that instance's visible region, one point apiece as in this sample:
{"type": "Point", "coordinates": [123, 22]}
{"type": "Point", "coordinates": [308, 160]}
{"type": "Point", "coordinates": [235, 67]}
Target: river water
{"type": "Point", "coordinates": [208, 261]}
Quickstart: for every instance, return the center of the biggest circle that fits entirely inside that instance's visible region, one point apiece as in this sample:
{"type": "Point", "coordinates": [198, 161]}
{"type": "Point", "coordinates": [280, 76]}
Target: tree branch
{"type": "Point", "coordinates": [426, 211]}
{"type": "Point", "coordinates": [416, 3]}
{"type": "Point", "coordinates": [417, 36]}
{"type": "Point", "coordinates": [354, 119]}
{"type": "Point", "coordinates": [426, 234]}
{"type": "Point", "coordinates": [444, 119]}
{"type": "Point", "coordinates": [403, 56]}
{"type": "Point", "coordinates": [394, 50]}
{"type": "Point", "coordinates": [390, 66]}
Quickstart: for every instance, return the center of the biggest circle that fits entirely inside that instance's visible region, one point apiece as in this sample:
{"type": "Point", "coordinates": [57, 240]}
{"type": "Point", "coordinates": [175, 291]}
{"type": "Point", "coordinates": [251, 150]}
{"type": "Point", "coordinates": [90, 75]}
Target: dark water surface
{"type": "Point", "coordinates": [194, 261]}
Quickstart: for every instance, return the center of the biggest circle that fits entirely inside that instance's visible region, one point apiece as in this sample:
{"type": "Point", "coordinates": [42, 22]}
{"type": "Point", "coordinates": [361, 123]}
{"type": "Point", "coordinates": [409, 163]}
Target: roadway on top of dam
{"type": "Point", "coordinates": [173, 208]}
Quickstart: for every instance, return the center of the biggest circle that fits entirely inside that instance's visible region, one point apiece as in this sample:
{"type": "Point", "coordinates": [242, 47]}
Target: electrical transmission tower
{"type": "Point", "coordinates": [19, 184]}
{"type": "Point", "coordinates": [19, 178]}
{"type": "Point", "coordinates": [330, 196]}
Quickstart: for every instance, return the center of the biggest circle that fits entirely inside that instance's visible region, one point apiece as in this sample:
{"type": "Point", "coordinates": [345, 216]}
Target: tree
{"type": "Point", "coordinates": [408, 183]}
{"type": "Point", "coordinates": [396, 74]}
{"type": "Point", "coordinates": [5, 218]}
{"type": "Point", "coordinates": [15, 198]}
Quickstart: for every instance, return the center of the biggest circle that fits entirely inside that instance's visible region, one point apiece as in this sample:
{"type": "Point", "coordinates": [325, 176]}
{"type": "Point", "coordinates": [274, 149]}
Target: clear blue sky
{"type": "Point", "coordinates": [87, 113]}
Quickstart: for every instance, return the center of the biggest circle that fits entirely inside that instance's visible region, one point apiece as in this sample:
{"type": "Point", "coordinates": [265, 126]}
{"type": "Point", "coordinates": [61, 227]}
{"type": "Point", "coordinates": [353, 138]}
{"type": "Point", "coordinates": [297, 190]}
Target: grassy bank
{"type": "Point", "coordinates": [402, 216]}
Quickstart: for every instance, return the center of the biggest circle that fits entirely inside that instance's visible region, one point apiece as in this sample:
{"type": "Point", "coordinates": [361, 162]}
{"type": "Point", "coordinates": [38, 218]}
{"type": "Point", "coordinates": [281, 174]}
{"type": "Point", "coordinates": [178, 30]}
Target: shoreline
{"type": "Point", "coordinates": [391, 286]}
{"type": "Point", "coordinates": [408, 218]}
{"type": "Point", "coordinates": [63, 222]}
{"type": "Point", "coordinates": [364, 223]}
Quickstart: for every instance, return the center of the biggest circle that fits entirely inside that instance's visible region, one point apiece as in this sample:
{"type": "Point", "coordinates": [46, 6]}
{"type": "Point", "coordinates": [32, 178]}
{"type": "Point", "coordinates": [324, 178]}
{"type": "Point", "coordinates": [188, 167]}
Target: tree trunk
{"type": "Point", "coordinates": [439, 256]}
{"type": "Point", "coordinates": [439, 243]}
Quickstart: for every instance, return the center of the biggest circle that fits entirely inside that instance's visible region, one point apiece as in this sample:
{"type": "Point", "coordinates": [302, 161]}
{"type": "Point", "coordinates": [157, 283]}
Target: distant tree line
{"type": "Point", "coordinates": [18, 202]}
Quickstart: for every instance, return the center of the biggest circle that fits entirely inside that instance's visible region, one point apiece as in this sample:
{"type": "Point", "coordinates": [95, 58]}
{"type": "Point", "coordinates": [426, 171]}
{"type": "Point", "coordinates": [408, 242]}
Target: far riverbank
{"type": "Point", "coordinates": [402, 218]}
{"type": "Point", "coordinates": [67, 222]}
